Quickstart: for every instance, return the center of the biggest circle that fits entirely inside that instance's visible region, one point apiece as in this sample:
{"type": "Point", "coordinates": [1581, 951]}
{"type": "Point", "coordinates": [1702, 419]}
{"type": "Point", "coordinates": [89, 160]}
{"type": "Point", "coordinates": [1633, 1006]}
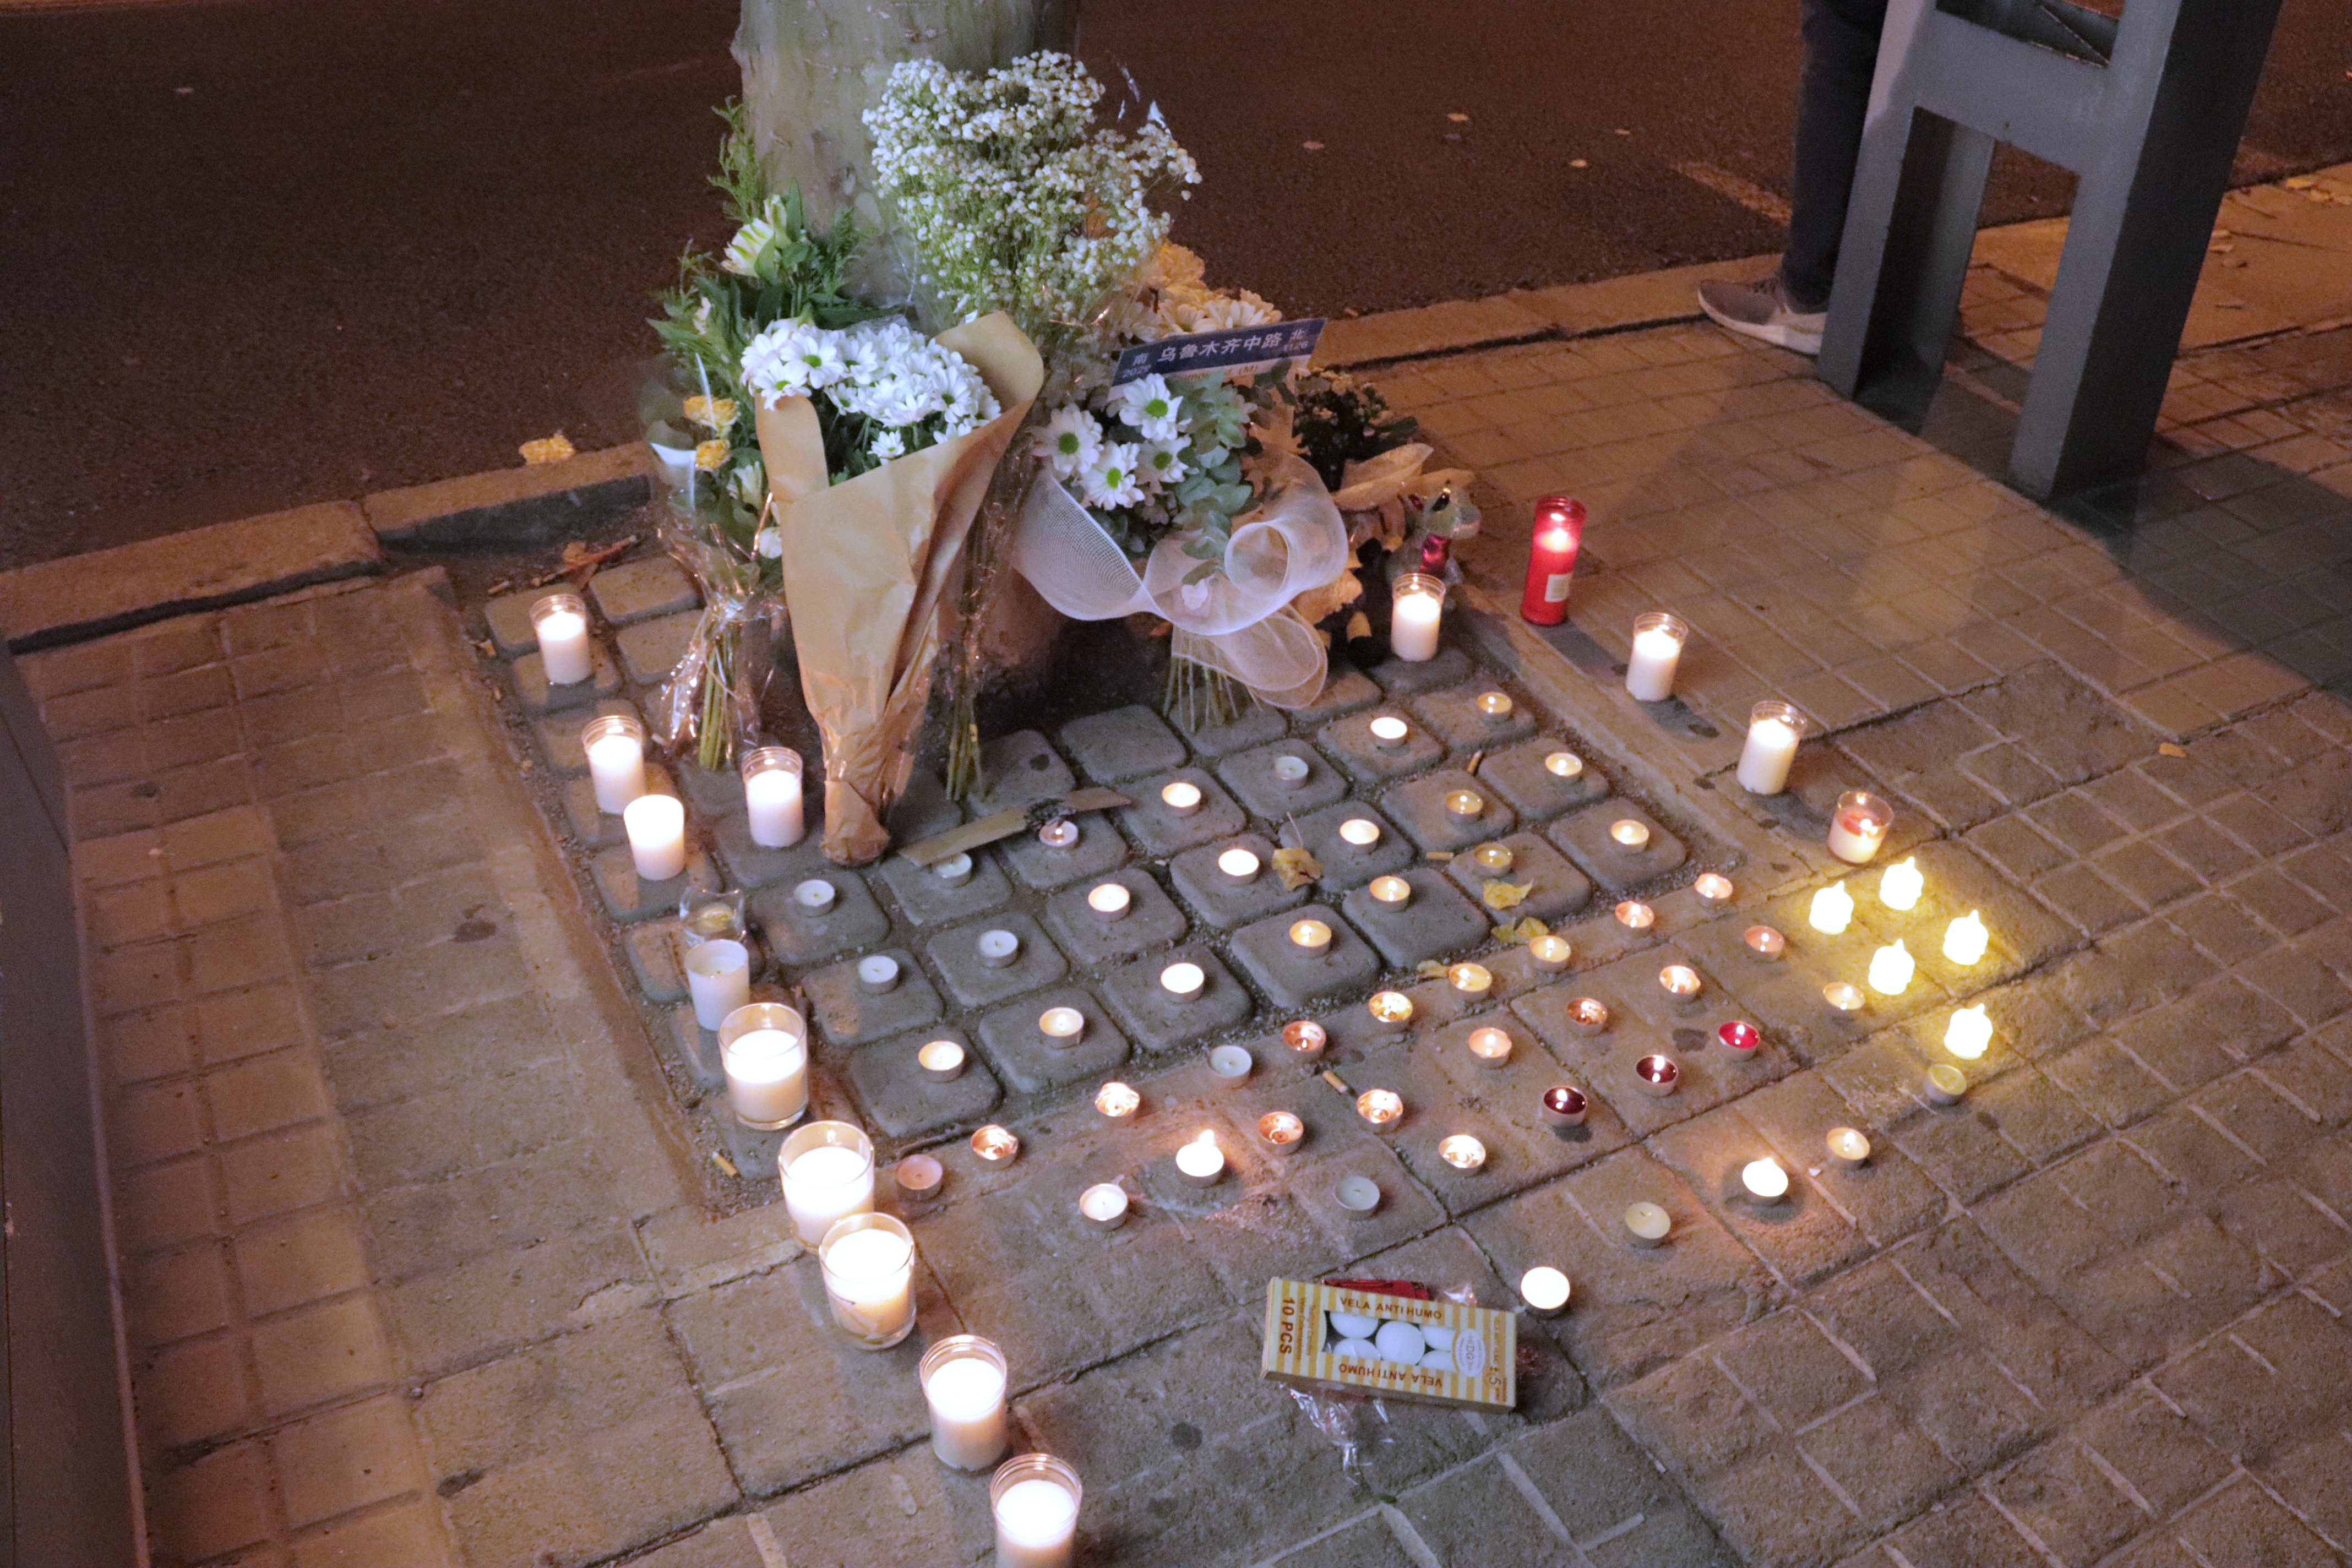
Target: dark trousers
{"type": "Point", "coordinates": [1841, 54]}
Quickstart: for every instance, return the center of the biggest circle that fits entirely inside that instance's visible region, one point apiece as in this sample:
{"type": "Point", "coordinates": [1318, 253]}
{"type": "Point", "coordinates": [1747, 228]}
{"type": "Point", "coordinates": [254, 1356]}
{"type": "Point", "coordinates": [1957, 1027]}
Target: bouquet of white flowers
{"type": "Point", "coordinates": [881, 390]}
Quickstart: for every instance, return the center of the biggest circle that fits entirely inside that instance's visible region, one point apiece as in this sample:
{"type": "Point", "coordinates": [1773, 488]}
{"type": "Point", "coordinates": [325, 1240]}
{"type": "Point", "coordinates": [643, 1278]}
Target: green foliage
{"type": "Point", "coordinates": [1339, 421]}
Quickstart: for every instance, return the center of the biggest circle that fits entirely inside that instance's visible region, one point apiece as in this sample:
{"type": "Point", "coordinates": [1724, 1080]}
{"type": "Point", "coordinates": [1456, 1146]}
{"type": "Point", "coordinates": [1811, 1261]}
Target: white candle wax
{"type": "Point", "coordinates": [719, 978]}
{"type": "Point", "coordinates": [767, 1077]}
{"type": "Point", "coordinates": [870, 1279]}
{"type": "Point", "coordinates": [1036, 1521]}
{"type": "Point", "coordinates": [1650, 672]}
{"type": "Point", "coordinates": [657, 829]}
{"type": "Point", "coordinates": [773, 805]}
{"type": "Point", "coordinates": [967, 1399]}
{"type": "Point", "coordinates": [617, 763]}
{"type": "Point", "coordinates": [563, 646]}
{"type": "Point", "coordinates": [1764, 760]}
{"type": "Point", "coordinates": [1413, 630]}
{"type": "Point", "coordinates": [826, 1186]}
{"type": "Point", "coordinates": [1647, 1224]}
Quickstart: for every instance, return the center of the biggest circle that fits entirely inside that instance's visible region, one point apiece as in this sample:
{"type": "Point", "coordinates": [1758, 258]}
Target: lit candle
{"type": "Point", "coordinates": [1381, 1109]}
{"type": "Point", "coordinates": [998, 949]}
{"type": "Point", "coordinates": [1658, 639]}
{"type": "Point", "coordinates": [1565, 1105]}
{"type": "Point", "coordinates": [1109, 902]}
{"type": "Point", "coordinates": [918, 1177]}
{"type": "Point", "coordinates": [1305, 1039]}
{"type": "Point", "coordinates": [1587, 1016]}
{"type": "Point", "coordinates": [1418, 604]}
{"type": "Point", "coordinates": [1646, 1225]}
{"type": "Point", "coordinates": [1059, 833]}
{"type": "Point", "coordinates": [955, 870]}
{"type": "Point", "coordinates": [1359, 1197]}
{"type": "Point", "coordinates": [1493, 860]}
{"type": "Point", "coordinates": [1291, 770]}
{"type": "Point", "coordinates": [1680, 982]}
{"type": "Point", "coordinates": [1184, 982]}
{"type": "Point", "coordinates": [1969, 1034]}
{"type": "Point", "coordinates": [877, 974]}
{"type": "Point", "coordinates": [1035, 1502]}
{"type": "Point", "coordinates": [828, 1173]}
{"type": "Point", "coordinates": [1231, 1064]}
{"type": "Point", "coordinates": [656, 827]}
{"type": "Point", "coordinates": [1394, 892]}
{"type": "Point", "coordinates": [1182, 798]}
{"type": "Point", "coordinates": [1489, 1048]}
{"type": "Point", "coordinates": [1471, 979]}
{"type": "Point", "coordinates": [763, 1052]}
{"type": "Point", "coordinates": [1551, 560]}
{"type": "Point", "coordinates": [963, 1382]}
{"type": "Point", "coordinates": [1061, 1025]}
{"type": "Point", "coordinates": [1891, 968]}
{"type": "Point", "coordinates": [1389, 731]}
{"type": "Point", "coordinates": [1658, 1076]}
{"type": "Point", "coordinates": [1465, 803]}
{"type": "Point", "coordinates": [1713, 889]}
{"type": "Point", "coordinates": [1200, 1162]}
{"type": "Point", "coordinates": [1628, 835]}
{"type": "Point", "coordinates": [868, 1264]}
{"type": "Point", "coordinates": [1946, 1084]}
{"type": "Point", "coordinates": [995, 1145]}
{"type": "Point", "coordinates": [1117, 1101]}
{"type": "Point", "coordinates": [1833, 909]}
{"type": "Point", "coordinates": [1461, 1151]}
{"type": "Point", "coordinates": [1858, 826]}
{"type": "Point", "coordinates": [1392, 1010]}
{"type": "Point", "coordinates": [615, 746]}
{"type": "Point", "coordinates": [1545, 1290]}
{"type": "Point", "coordinates": [1765, 944]}
{"type": "Point", "coordinates": [1495, 707]}
{"type": "Point", "coordinates": [1766, 1181]}
{"type": "Point", "coordinates": [1310, 936]}
{"type": "Point", "coordinates": [1359, 832]}
{"type": "Point", "coordinates": [1550, 954]}
{"type": "Point", "coordinates": [1635, 915]}
{"type": "Point", "coordinates": [941, 1059]}
{"type": "Point", "coordinates": [1842, 999]}
{"type": "Point", "coordinates": [771, 796]}
{"type": "Point", "coordinates": [1282, 1131]}
{"type": "Point", "coordinates": [562, 622]}
{"type": "Point", "coordinates": [1103, 1206]}
{"type": "Point", "coordinates": [1564, 765]}
{"type": "Point", "coordinates": [1965, 939]}
{"type": "Point", "coordinates": [814, 897]}
{"type": "Point", "coordinates": [719, 978]}
{"type": "Point", "coordinates": [1773, 731]}
{"type": "Point", "coordinates": [1847, 1146]}
{"type": "Point", "coordinates": [1740, 1037]}
{"type": "Point", "coordinates": [1900, 885]}
{"type": "Point", "coordinates": [1238, 865]}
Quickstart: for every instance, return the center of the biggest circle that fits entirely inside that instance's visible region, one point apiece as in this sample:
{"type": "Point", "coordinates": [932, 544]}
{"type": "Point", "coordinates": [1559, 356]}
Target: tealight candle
{"type": "Point", "coordinates": [1489, 1048]}
{"type": "Point", "coordinates": [1766, 1180]}
{"type": "Point", "coordinates": [1035, 1499]}
{"type": "Point", "coordinates": [1461, 1151]}
{"type": "Point", "coordinates": [1394, 892]}
{"type": "Point", "coordinates": [1392, 1010]}
{"type": "Point", "coordinates": [1290, 770]}
{"type": "Point", "coordinates": [1565, 1105]}
{"type": "Point", "coordinates": [1774, 729]}
{"type": "Point", "coordinates": [1847, 1146]}
{"type": "Point", "coordinates": [1495, 707]}
{"type": "Point", "coordinates": [1946, 1084]}
{"type": "Point", "coordinates": [963, 1382]}
{"type": "Point", "coordinates": [1740, 1037]}
{"type": "Point", "coordinates": [941, 1059]}
{"type": "Point", "coordinates": [615, 744]}
{"type": "Point", "coordinates": [829, 1173]}
{"type": "Point", "coordinates": [1103, 1206]}
{"type": "Point", "coordinates": [1765, 944]}
{"type": "Point", "coordinates": [1061, 1025]}
{"type": "Point", "coordinates": [1231, 1064]}
{"type": "Point", "coordinates": [1182, 798]}
{"type": "Point", "coordinates": [1358, 1196]}
{"type": "Point", "coordinates": [1900, 885]}
{"type": "Point", "coordinates": [1184, 981]}
{"type": "Point", "coordinates": [1680, 982]}
{"type": "Point", "coordinates": [1117, 1101]}
{"type": "Point", "coordinates": [998, 949]}
{"type": "Point", "coordinates": [1891, 968]}
{"type": "Point", "coordinates": [1628, 835]}
{"type": "Point", "coordinates": [1550, 954]}
{"type": "Point", "coordinates": [1465, 803]}
{"type": "Point", "coordinates": [1493, 860]}
{"type": "Point", "coordinates": [1587, 1016]}
{"type": "Point", "coordinates": [1564, 764]}
{"type": "Point", "coordinates": [561, 621]}
{"type": "Point", "coordinates": [995, 1145]}
{"type": "Point", "coordinates": [1858, 826]}
{"type": "Point", "coordinates": [774, 807]}
{"type": "Point", "coordinates": [1658, 1076]}
{"type": "Point", "coordinates": [763, 1052]}
{"type": "Point", "coordinates": [656, 827]}
{"type": "Point", "coordinates": [1417, 604]}
{"type": "Point", "coordinates": [1646, 1225]}
{"type": "Point", "coordinates": [1381, 1109]}
{"type": "Point", "coordinates": [1471, 979]}
{"type": "Point", "coordinates": [1658, 639]}
{"type": "Point", "coordinates": [877, 974]}
{"type": "Point", "coordinates": [1389, 731]}
{"type": "Point", "coordinates": [1965, 939]}
{"type": "Point", "coordinates": [1635, 915]}
{"type": "Point", "coordinates": [955, 870]}
{"type": "Point", "coordinates": [719, 978]}
{"type": "Point", "coordinates": [1969, 1034]}
{"type": "Point", "coordinates": [1109, 902]}
{"type": "Point", "coordinates": [1200, 1162]}
{"type": "Point", "coordinates": [1545, 1290]}
{"type": "Point", "coordinates": [1713, 889]}
{"type": "Point", "coordinates": [868, 1264]}
{"type": "Point", "coordinates": [1305, 1039]}
{"type": "Point", "coordinates": [1359, 832]}
{"type": "Point", "coordinates": [1238, 865]}
{"type": "Point", "coordinates": [1060, 834]}
{"type": "Point", "coordinates": [1282, 1131]}
{"type": "Point", "coordinates": [1832, 910]}
{"type": "Point", "coordinates": [1310, 936]}
{"type": "Point", "coordinates": [814, 897]}
{"type": "Point", "coordinates": [918, 1178]}
{"type": "Point", "coordinates": [1843, 998]}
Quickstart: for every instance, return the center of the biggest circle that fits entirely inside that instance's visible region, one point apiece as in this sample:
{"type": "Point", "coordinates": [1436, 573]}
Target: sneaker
{"type": "Point", "coordinates": [1763, 310]}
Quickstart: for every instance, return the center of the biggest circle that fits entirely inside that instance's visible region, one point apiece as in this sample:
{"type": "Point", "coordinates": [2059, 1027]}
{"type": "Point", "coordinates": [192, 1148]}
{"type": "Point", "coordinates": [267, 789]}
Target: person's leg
{"type": "Point", "coordinates": [1841, 56]}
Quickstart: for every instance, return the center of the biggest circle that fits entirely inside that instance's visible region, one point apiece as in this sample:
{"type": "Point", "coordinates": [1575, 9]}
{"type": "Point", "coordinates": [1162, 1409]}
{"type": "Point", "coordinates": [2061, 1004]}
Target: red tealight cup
{"type": "Point", "coordinates": [1740, 1037]}
{"type": "Point", "coordinates": [1551, 560]}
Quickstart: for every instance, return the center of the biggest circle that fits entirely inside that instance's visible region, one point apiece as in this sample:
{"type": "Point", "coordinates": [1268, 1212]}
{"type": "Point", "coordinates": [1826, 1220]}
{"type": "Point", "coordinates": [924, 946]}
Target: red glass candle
{"type": "Point", "coordinates": [1551, 560]}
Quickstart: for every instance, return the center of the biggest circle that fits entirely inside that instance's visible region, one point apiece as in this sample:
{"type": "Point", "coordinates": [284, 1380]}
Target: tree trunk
{"type": "Point", "coordinates": [812, 68]}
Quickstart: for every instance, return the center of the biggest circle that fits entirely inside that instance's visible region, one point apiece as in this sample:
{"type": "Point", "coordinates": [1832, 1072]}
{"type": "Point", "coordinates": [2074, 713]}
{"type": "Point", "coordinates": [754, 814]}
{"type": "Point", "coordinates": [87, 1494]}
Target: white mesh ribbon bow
{"type": "Point", "coordinates": [1237, 619]}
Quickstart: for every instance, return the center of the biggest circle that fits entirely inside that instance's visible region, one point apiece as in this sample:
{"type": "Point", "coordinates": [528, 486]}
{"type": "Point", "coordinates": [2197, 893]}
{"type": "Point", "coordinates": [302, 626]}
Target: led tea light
{"type": "Point", "coordinates": [1587, 1016]}
{"type": "Point", "coordinates": [1969, 1034]}
{"type": "Point", "coordinates": [1495, 707]}
{"type": "Point", "coordinates": [1764, 944]}
{"type": "Point", "coordinates": [995, 1145]}
{"type": "Point", "coordinates": [1103, 1207]}
{"type": "Point", "coordinates": [1489, 1048]}
{"type": "Point", "coordinates": [1766, 1181]}
{"type": "Point", "coordinates": [1658, 639]}
{"type": "Point", "coordinates": [1238, 865]}
{"type": "Point", "coordinates": [1231, 1064]}
{"type": "Point", "coordinates": [1461, 1151]}
{"type": "Point", "coordinates": [1359, 832]}
{"type": "Point", "coordinates": [1290, 770]}
{"type": "Point", "coordinates": [1636, 916]}
{"type": "Point", "coordinates": [868, 1264]}
{"type": "Point", "coordinates": [1061, 1025]}
{"type": "Point", "coordinates": [1391, 892]}
{"type": "Point", "coordinates": [1464, 803]}
{"type": "Point", "coordinates": [1310, 937]}
{"type": "Point", "coordinates": [1681, 983]}
{"type": "Point", "coordinates": [942, 1060]}
{"type": "Point", "coordinates": [774, 804]}
{"type": "Point", "coordinates": [1774, 729]}
{"type": "Point", "coordinates": [1181, 798]}
{"type": "Point", "coordinates": [1381, 1109]}
{"type": "Point", "coordinates": [763, 1052]}
{"type": "Point", "coordinates": [1034, 1501]}
{"type": "Point", "coordinates": [1946, 1084]}
{"type": "Point", "coordinates": [561, 621]}
{"type": "Point", "coordinates": [1965, 939]}
{"type": "Point", "coordinates": [1109, 902]}
{"type": "Point", "coordinates": [955, 870]}
{"type": "Point", "coordinates": [1282, 1131]}
{"type": "Point", "coordinates": [1847, 1146]}
{"type": "Point", "coordinates": [1202, 1162]}
{"type": "Point", "coordinates": [1117, 1101]}
{"type": "Point", "coordinates": [719, 978]}
{"type": "Point", "coordinates": [1545, 1290]}
{"type": "Point", "coordinates": [1183, 982]}
{"type": "Point", "coordinates": [828, 1175]}
{"type": "Point", "coordinates": [1391, 1010]}
{"type": "Point", "coordinates": [1900, 885]}
{"type": "Point", "coordinates": [1891, 968]}
{"type": "Point", "coordinates": [998, 949]}
{"type": "Point", "coordinates": [656, 827]}
{"type": "Point", "coordinates": [918, 1178]}
{"type": "Point", "coordinates": [1059, 833]}
{"type": "Point", "coordinates": [877, 974]}
{"type": "Point", "coordinates": [1305, 1039]}
{"type": "Point", "coordinates": [963, 1382]}
{"type": "Point", "coordinates": [1417, 602]}
{"type": "Point", "coordinates": [1740, 1038]}
{"type": "Point", "coordinates": [1565, 1105]}
{"type": "Point", "coordinates": [1858, 826]}
{"type": "Point", "coordinates": [1472, 980]}
{"type": "Point", "coordinates": [1564, 765]}
{"type": "Point", "coordinates": [1658, 1076]}
{"type": "Point", "coordinates": [1844, 999]}
{"type": "Point", "coordinates": [1832, 910]}
{"type": "Point", "coordinates": [1647, 1224]}
{"type": "Point", "coordinates": [814, 897]}
{"type": "Point", "coordinates": [1389, 731]}
{"type": "Point", "coordinates": [1713, 889]}
{"type": "Point", "coordinates": [1628, 835]}
{"type": "Point", "coordinates": [1358, 1196]}
{"type": "Point", "coordinates": [615, 746]}
{"type": "Point", "coordinates": [1550, 954]}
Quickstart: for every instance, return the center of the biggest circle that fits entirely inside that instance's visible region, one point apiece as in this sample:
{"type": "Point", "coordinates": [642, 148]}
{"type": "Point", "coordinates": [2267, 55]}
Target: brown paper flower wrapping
{"type": "Point", "coordinates": [868, 565]}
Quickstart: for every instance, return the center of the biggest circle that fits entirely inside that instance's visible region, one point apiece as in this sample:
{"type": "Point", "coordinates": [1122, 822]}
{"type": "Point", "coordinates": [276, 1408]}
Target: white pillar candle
{"type": "Point", "coordinates": [1419, 605]}
{"type": "Point", "coordinates": [562, 622]}
{"type": "Point", "coordinates": [963, 1383]}
{"type": "Point", "coordinates": [1658, 640]}
{"type": "Point", "coordinates": [868, 1263]}
{"type": "Point", "coordinates": [719, 978]}
{"type": "Point", "coordinates": [772, 796]}
{"type": "Point", "coordinates": [615, 746]}
{"type": "Point", "coordinates": [829, 1173]}
{"type": "Point", "coordinates": [1035, 1502]}
{"type": "Point", "coordinates": [656, 828]}
{"type": "Point", "coordinates": [763, 1051]}
{"type": "Point", "coordinates": [1773, 731]}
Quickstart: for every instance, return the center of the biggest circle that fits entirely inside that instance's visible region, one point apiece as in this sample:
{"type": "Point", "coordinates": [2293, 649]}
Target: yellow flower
{"type": "Point", "coordinates": [711, 456]}
{"type": "Point", "coordinates": [711, 413]}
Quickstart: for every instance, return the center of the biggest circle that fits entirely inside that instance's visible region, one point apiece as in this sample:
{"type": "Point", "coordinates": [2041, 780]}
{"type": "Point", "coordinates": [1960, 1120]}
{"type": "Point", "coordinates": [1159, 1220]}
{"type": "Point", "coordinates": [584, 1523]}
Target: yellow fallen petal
{"type": "Point", "coordinates": [1430, 969]}
{"type": "Point", "coordinates": [1524, 931]}
{"type": "Point", "coordinates": [1297, 867]}
{"type": "Point", "coordinates": [552, 449]}
{"type": "Point", "coordinates": [1506, 895]}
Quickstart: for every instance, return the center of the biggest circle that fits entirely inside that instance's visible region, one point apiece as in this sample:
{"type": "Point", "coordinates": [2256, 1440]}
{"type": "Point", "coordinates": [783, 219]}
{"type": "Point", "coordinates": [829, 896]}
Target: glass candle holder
{"type": "Point", "coordinates": [1104, 1206]}
{"type": "Point", "coordinates": [1565, 1105]}
{"type": "Point", "coordinates": [994, 1145]}
{"type": "Point", "coordinates": [656, 824]}
{"type": "Point", "coordinates": [561, 623]}
{"type": "Point", "coordinates": [1305, 1039]}
{"type": "Point", "coordinates": [1281, 1131]}
{"type": "Point", "coordinates": [1765, 946]}
{"type": "Point", "coordinates": [1117, 1101]}
{"type": "Point", "coordinates": [1544, 1291]}
{"type": "Point", "coordinates": [1774, 729]}
{"type": "Point", "coordinates": [1587, 1016]}
{"type": "Point", "coordinates": [963, 1379]}
{"type": "Point", "coordinates": [1461, 1151]}
{"type": "Point", "coordinates": [828, 1173]}
{"type": "Point", "coordinates": [1381, 1109]}
{"type": "Point", "coordinates": [1550, 954]}
{"type": "Point", "coordinates": [1489, 1048]}
{"type": "Point", "coordinates": [1060, 834]}
{"type": "Point", "coordinates": [1858, 827]}
{"type": "Point", "coordinates": [774, 806]}
{"type": "Point", "coordinates": [615, 744]}
{"type": "Point", "coordinates": [1109, 902]}
{"type": "Point", "coordinates": [718, 979]}
{"type": "Point", "coordinates": [763, 1051]}
{"type": "Point", "coordinates": [1035, 1499]}
{"type": "Point", "coordinates": [1658, 639]}
{"type": "Point", "coordinates": [941, 1060]}
{"type": "Point", "coordinates": [1392, 1010]}
{"type": "Point", "coordinates": [868, 1263]}
{"type": "Point", "coordinates": [1657, 1075]}
{"type": "Point", "coordinates": [1417, 603]}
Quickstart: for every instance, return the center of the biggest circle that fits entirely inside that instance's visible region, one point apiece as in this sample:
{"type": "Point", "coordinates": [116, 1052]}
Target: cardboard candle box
{"type": "Point", "coordinates": [1480, 1370]}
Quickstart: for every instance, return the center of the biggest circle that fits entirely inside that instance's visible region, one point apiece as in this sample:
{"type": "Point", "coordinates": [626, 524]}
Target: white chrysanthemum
{"type": "Point", "coordinates": [768, 544]}
{"type": "Point", "coordinates": [1216, 314]}
{"type": "Point", "coordinates": [1131, 320]}
{"type": "Point", "coordinates": [1163, 462]}
{"type": "Point", "coordinates": [1149, 406]}
{"type": "Point", "coordinates": [886, 444]}
{"type": "Point", "coordinates": [792, 358]}
{"type": "Point", "coordinates": [1110, 479]}
{"type": "Point", "coordinates": [1070, 441]}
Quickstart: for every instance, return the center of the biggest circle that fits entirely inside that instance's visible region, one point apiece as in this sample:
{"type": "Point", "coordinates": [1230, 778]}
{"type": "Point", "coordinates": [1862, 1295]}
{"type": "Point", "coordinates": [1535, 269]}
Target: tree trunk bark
{"type": "Point", "coordinates": [812, 68]}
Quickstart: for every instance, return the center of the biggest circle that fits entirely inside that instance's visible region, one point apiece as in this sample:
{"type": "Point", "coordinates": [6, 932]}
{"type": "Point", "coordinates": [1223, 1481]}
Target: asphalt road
{"type": "Point", "coordinates": [267, 253]}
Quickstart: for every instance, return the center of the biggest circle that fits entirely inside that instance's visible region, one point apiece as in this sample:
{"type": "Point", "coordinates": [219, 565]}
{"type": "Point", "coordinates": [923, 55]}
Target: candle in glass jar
{"type": "Point", "coordinates": [561, 621]}
{"type": "Point", "coordinates": [718, 979]}
{"type": "Point", "coordinates": [656, 824]}
{"type": "Point", "coordinates": [829, 1173]}
{"type": "Point", "coordinates": [1858, 826]}
{"type": "Point", "coordinates": [963, 1382]}
{"type": "Point", "coordinates": [868, 1264]}
{"type": "Point", "coordinates": [1035, 1502]}
{"type": "Point", "coordinates": [1774, 729]}
{"type": "Point", "coordinates": [772, 802]}
{"type": "Point", "coordinates": [1551, 560]}
{"type": "Point", "coordinates": [763, 1052]}
{"type": "Point", "coordinates": [1658, 639]}
{"type": "Point", "coordinates": [1418, 604]}
{"type": "Point", "coordinates": [615, 744]}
